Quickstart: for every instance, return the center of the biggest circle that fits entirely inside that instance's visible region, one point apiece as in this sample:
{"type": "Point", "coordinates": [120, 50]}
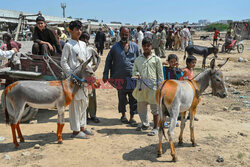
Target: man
{"type": "Point", "coordinates": [74, 50]}
{"type": "Point", "coordinates": [100, 38]}
{"type": "Point", "coordinates": [96, 59]}
{"type": "Point", "coordinates": [44, 39]}
{"type": "Point", "coordinates": [119, 63]}
{"type": "Point", "coordinates": [148, 33]}
{"type": "Point", "coordinates": [228, 41]}
{"type": "Point", "coordinates": [162, 41]}
{"type": "Point", "coordinates": [156, 41]}
{"type": "Point", "coordinates": [140, 37]}
{"type": "Point", "coordinates": [58, 33]}
{"type": "Point", "coordinates": [185, 34]}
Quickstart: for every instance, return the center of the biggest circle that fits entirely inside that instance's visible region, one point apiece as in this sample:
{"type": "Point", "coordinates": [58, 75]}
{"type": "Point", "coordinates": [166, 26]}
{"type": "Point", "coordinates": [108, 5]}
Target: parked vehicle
{"type": "Point", "coordinates": [235, 45]}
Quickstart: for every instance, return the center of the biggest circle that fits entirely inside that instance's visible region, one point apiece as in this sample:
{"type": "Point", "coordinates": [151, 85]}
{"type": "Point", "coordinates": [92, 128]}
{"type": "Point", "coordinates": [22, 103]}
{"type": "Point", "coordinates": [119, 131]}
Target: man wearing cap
{"type": "Point", "coordinates": [45, 41]}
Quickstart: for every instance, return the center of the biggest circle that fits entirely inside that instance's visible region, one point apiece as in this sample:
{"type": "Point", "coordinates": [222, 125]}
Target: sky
{"type": "Point", "coordinates": [138, 11]}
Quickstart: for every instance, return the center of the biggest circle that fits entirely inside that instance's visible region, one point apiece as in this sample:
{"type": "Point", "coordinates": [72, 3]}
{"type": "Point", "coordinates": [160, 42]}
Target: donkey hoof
{"type": "Point", "coordinates": [59, 142]}
{"type": "Point", "coordinates": [16, 146]}
{"type": "Point", "coordinates": [159, 155]}
{"type": "Point", "coordinates": [180, 143]}
{"type": "Point", "coordinates": [194, 144]}
{"type": "Point", "coordinates": [174, 159]}
{"type": "Point", "coordinates": [22, 141]}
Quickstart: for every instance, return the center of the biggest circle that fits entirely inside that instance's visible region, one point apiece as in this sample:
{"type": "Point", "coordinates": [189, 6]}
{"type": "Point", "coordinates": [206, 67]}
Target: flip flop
{"type": "Point", "coordinates": [153, 132]}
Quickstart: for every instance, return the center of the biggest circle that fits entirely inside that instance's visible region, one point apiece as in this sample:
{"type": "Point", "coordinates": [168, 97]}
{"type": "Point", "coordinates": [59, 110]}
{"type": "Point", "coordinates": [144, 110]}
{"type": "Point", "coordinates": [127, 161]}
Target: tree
{"type": "Point", "coordinates": [218, 26]}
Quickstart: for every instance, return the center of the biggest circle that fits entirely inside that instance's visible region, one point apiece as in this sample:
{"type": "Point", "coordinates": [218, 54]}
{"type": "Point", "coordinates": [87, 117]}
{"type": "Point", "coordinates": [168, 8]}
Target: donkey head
{"type": "Point", "coordinates": [84, 72]}
{"type": "Point", "coordinates": [217, 80]}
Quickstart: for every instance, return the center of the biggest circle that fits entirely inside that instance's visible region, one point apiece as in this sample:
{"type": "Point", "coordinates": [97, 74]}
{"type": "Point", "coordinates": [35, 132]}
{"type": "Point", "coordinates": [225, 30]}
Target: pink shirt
{"type": "Point", "coordinates": [188, 74]}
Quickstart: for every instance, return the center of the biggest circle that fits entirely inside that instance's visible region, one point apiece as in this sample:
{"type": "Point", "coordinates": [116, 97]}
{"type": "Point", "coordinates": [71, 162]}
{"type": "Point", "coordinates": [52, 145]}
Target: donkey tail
{"type": "Point", "coordinates": [160, 98]}
{"type": "Point", "coordinates": [7, 118]}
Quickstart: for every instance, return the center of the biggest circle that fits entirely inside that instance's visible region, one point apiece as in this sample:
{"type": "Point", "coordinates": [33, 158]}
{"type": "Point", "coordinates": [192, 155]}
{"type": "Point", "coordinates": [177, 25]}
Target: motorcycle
{"type": "Point", "coordinates": [235, 45]}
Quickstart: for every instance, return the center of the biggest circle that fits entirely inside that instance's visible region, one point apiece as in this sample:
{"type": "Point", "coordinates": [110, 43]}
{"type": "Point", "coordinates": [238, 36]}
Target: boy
{"type": "Point", "coordinates": [148, 70]}
{"type": "Point", "coordinates": [91, 110]}
{"type": "Point", "coordinates": [216, 34]}
{"type": "Point", "coordinates": [44, 39]}
{"type": "Point", "coordinates": [172, 72]}
{"type": "Point", "coordinates": [189, 73]}
{"type": "Point", "coordinates": [73, 50]}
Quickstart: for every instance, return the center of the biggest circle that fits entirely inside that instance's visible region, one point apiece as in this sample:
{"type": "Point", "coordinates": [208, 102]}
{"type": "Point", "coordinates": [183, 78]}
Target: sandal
{"type": "Point", "coordinates": [124, 120]}
{"type": "Point", "coordinates": [95, 119]}
{"type": "Point", "coordinates": [153, 132]}
{"type": "Point", "coordinates": [80, 135]}
{"type": "Point", "coordinates": [88, 132]}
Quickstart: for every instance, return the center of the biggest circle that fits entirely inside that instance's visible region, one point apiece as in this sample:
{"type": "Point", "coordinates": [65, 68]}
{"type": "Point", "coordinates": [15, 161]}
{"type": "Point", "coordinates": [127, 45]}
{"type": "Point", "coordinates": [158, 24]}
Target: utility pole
{"type": "Point", "coordinates": [63, 6]}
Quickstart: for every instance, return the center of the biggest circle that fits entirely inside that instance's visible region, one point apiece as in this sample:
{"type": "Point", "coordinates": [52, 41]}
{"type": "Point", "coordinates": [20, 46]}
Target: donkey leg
{"type": "Point", "coordinates": [19, 133]}
{"type": "Point", "coordinates": [13, 129]}
{"type": "Point", "coordinates": [171, 136]}
{"type": "Point", "coordinates": [204, 61]}
{"type": "Point", "coordinates": [60, 125]}
{"type": "Point", "coordinates": [183, 123]}
{"type": "Point", "coordinates": [160, 139]}
{"type": "Point", "coordinates": [192, 114]}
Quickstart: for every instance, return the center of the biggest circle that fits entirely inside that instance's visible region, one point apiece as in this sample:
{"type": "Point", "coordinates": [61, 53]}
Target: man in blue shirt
{"type": "Point", "coordinates": [119, 63]}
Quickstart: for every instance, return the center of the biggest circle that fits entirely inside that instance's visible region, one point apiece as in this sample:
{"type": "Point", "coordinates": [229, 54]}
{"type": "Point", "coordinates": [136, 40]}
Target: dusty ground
{"type": "Point", "coordinates": [218, 132]}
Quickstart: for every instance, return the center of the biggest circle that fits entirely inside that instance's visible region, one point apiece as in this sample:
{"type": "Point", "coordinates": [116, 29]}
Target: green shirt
{"type": "Point", "coordinates": [151, 73]}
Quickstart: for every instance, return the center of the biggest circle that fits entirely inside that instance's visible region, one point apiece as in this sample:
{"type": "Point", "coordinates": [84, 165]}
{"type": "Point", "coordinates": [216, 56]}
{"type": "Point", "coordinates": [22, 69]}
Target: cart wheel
{"type": "Point", "coordinates": [240, 48]}
{"type": "Point", "coordinates": [29, 113]}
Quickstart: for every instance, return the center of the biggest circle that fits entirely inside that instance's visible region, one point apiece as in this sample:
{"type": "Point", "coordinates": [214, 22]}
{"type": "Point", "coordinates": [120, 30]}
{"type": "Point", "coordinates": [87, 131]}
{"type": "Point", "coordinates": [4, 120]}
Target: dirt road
{"type": "Point", "coordinates": [221, 130]}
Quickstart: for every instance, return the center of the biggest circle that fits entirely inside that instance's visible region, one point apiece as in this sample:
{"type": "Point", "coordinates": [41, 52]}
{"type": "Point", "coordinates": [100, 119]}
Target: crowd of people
{"type": "Point", "coordinates": [129, 61]}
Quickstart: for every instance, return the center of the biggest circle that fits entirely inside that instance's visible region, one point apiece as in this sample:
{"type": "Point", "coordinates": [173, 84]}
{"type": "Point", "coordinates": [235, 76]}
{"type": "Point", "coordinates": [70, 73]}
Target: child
{"type": "Point", "coordinates": [74, 50]}
{"type": "Point", "coordinates": [189, 73]}
{"type": "Point", "coordinates": [172, 72]}
{"type": "Point", "coordinates": [91, 110]}
{"type": "Point", "coordinates": [148, 69]}
{"type": "Point", "coordinates": [216, 34]}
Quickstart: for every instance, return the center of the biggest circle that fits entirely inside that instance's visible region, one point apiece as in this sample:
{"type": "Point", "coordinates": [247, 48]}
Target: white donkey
{"type": "Point", "coordinates": [44, 95]}
{"type": "Point", "coordinates": [176, 97]}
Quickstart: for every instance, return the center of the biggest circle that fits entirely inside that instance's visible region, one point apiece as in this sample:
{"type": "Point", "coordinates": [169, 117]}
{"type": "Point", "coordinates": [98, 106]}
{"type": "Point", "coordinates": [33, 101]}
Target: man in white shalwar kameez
{"type": "Point", "coordinates": [74, 50]}
{"type": "Point", "coordinates": [139, 39]}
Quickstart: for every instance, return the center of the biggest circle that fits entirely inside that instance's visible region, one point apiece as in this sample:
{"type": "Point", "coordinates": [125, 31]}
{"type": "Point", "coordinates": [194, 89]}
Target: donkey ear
{"type": "Point", "coordinates": [87, 62]}
{"type": "Point", "coordinates": [220, 65]}
{"type": "Point", "coordinates": [212, 64]}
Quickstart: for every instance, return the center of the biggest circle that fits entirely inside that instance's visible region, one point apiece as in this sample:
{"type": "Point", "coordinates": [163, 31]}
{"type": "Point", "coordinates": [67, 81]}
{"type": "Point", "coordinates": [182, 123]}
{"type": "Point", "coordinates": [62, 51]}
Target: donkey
{"type": "Point", "coordinates": [201, 50]}
{"type": "Point", "coordinates": [175, 97]}
{"type": "Point", "coordinates": [44, 95]}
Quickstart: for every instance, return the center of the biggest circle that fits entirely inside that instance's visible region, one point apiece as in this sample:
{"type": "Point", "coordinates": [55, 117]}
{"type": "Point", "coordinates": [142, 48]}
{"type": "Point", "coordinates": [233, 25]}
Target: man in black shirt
{"type": "Point", "coordinates": [100, 38]}
{"type": "Point", "coordinates": [44, 39]}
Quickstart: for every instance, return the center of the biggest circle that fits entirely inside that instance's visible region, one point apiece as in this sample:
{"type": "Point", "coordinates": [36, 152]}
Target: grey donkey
{"type": "Point", "coordinates": [175, 96]}
{"type": "Point", "coordinates": [44, 95]}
